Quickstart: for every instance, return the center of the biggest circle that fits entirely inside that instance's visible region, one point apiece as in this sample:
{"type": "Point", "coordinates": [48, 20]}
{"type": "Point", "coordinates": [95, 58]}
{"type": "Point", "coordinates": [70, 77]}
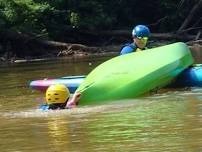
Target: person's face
{"type": "Point", "coordinates": [141, 42]}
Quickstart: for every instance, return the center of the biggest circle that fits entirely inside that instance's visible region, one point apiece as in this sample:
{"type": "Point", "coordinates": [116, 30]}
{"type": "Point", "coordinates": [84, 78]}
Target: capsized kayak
{"type": "Point", "coordinates": [190, 77]}
{"type": "Point", "coordinates": [72, 82]}
{"type": "Point", "coordinates": [134, 74]}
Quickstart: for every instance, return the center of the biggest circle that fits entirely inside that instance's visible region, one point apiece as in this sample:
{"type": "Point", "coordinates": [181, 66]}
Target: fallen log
{"type": "Point", "coordinates": [161, 36]}
{"type": "Point", "coordinates": [26, 45]}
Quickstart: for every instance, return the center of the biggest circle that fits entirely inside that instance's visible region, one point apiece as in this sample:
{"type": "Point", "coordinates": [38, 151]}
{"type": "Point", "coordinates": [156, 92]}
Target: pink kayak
{"type": "Point", "coordinates": [72, 82]}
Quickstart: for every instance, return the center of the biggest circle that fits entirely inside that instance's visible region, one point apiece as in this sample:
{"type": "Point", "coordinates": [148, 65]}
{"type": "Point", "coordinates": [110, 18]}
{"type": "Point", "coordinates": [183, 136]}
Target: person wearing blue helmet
{"type": "Point", "coordinates": [140, 35]}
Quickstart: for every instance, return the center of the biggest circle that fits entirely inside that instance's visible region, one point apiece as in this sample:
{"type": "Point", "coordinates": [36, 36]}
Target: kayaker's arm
{"type": "Point", "coordinates": [73, 102]}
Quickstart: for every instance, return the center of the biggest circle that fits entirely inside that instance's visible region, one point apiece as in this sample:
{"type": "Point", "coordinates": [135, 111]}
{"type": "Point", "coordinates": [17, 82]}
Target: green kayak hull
{"type": "Point", "coordinates": [132, 75]}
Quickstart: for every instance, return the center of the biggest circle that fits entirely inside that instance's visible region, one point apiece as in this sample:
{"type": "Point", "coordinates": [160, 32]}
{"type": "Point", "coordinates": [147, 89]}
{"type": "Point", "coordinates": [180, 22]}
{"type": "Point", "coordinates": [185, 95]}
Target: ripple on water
{"type": "Point", "coordinates": [76, 112]}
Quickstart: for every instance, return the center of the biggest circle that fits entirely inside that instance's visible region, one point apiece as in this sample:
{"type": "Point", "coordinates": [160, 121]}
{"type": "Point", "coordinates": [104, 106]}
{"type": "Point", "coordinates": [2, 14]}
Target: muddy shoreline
{"type": "Point", "coordinates": [57, 54]}
{"type": "Point", "coordinates": [196, 50]}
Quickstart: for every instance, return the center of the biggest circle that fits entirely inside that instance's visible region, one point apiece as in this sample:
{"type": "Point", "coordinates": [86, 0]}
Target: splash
{"type": "Point", "coordinates": [75, 112]}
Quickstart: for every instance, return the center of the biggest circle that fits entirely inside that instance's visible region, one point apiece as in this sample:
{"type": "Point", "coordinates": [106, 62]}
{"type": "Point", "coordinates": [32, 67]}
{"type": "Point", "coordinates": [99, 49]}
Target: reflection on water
{"type": "Point", "coordinates": [168, 121]}
{"type": "Point", "coordinates": [57, 130]}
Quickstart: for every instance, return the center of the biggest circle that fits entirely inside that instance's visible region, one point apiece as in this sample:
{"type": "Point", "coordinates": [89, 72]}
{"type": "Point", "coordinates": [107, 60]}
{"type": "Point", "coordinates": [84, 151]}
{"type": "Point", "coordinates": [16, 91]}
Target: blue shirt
{"type": "Point", "coordinates": [128, 48]}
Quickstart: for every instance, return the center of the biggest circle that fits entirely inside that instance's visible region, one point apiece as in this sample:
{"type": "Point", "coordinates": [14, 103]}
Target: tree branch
{"type": "Point", "coordinates": [190, 16]}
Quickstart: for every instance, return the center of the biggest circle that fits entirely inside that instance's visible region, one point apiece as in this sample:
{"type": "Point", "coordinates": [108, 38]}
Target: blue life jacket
{"type": "Point", "coordinates": [128, 48]}
{"type": "Point", "coordinates": [46, 107]}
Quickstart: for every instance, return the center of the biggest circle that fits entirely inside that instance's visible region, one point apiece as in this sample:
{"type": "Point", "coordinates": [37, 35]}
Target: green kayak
{"type": "Point", "coordinates": [132, 75]}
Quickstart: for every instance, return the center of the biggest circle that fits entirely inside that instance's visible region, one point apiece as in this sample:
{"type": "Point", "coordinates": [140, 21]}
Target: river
{"type": "Point", "coordinates": [170, 120]}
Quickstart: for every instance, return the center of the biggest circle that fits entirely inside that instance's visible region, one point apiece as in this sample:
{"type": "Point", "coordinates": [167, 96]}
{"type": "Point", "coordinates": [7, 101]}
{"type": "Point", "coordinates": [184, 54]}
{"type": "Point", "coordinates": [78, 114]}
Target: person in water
{"type": "Point", "coordinates": [57, 96]}
{"type": "Point", "coordinates": [140, 35]}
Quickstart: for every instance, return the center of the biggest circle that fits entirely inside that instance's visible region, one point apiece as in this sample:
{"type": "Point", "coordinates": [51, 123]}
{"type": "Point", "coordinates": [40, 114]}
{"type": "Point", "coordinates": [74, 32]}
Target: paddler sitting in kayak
{"type": "Point", "coordinates": [140, 35]}
{"type": "Point", "coordinates": [57, 96]}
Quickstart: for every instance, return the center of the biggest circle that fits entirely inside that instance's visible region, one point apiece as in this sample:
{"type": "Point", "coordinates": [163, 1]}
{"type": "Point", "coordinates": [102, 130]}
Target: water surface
{"type": "Point", "coordinates": [170, 120]}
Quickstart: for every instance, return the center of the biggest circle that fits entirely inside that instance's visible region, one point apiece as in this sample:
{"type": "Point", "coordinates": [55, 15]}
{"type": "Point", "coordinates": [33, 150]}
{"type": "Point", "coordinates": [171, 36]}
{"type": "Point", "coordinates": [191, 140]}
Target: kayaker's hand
{"type": "Point", "coordinates": [76, 97]}
{"type": "Point", "coordinates": [74, 101]}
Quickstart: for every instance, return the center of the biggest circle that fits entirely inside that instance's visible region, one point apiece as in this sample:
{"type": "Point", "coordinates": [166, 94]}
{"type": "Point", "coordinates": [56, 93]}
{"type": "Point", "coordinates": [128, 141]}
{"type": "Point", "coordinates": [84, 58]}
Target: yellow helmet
{"type": "Point", "coordinates": [57, 93]}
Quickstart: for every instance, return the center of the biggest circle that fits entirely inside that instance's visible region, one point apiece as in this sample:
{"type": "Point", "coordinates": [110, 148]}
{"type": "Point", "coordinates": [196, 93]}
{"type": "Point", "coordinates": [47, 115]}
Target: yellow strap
{"type": "Point", "coordinates": [138, 49]}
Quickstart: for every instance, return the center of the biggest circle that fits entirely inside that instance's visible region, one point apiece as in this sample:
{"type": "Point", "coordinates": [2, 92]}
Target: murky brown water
{"type": "Point", "coordinates": [169, 121]}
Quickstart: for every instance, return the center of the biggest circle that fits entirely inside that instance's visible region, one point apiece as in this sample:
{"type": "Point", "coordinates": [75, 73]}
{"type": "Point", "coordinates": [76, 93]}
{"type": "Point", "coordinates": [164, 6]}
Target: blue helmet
{"type": "Point", "coordinates": [141, 31]}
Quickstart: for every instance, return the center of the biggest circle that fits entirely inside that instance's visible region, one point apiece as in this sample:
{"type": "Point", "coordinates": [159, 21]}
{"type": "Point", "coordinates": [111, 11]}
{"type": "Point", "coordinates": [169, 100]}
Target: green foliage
{"type": "Point", "coordinates": [53, 17]}
{"type": "Point", "coordinates": [74, 19]}
{"type": "Point", "coordinates": [23, 15]}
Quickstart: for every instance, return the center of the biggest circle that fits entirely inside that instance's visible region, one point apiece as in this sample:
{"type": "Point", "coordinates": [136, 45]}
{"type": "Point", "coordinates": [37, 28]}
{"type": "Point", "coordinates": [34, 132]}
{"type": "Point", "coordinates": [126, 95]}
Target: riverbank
{"type": "Point", "coordinates": [82, 51]}
{"type": "Point", "coordinates": [77, 51]}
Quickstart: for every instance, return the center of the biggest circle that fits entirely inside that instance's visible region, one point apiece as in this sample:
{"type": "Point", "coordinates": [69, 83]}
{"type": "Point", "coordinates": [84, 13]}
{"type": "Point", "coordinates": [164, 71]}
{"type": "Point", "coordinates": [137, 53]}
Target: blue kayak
{"type": "Point", "coordinates": [190, 77]}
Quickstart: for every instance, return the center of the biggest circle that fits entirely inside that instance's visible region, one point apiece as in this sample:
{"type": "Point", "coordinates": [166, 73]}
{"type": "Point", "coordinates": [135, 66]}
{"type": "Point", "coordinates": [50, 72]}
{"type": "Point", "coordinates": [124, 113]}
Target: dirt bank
{"type": "Point", "coordinates": [80, 51]}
